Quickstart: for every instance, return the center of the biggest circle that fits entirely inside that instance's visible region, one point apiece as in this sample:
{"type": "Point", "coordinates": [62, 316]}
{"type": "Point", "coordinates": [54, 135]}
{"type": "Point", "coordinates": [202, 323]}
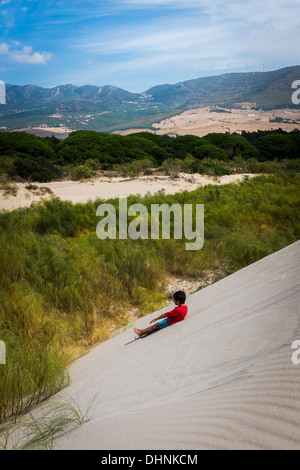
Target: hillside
{"type": "Point", "coordinates": [222, 379]}
{"type": "Point", "coordinates": [266, 89]}
{"type": "Point", "coordinates": [108, 108]}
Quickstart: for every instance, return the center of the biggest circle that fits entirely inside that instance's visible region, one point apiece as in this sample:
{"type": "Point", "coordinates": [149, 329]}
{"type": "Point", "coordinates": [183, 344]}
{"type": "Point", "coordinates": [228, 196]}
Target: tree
{"type": "Point", "coordinates": [277, 147]}
{"type": "Point", "coordinates": [211, 151]}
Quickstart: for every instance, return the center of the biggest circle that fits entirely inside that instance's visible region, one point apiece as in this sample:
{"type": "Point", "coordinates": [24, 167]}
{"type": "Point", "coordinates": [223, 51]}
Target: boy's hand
{"type": "Point", "coordinates": [161, 317]}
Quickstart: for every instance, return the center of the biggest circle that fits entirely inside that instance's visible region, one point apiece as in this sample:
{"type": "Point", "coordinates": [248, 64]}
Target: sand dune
{"type": "Point", "coordinates": [106, 188]}
{"type": "Point", "coordinates": [221, 379]}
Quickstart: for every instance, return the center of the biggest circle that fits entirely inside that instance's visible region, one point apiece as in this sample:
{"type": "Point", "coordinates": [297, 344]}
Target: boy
{"type": "Point", "coordinates": [169, 318]}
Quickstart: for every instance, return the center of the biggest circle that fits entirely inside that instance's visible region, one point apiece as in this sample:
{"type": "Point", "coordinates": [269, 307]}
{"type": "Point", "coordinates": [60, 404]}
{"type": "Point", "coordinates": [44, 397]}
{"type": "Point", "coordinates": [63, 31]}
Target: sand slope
{"type": "Point", "coordinates": [106, 188]}
{"type": "Point", "coordinates": [222, 379]}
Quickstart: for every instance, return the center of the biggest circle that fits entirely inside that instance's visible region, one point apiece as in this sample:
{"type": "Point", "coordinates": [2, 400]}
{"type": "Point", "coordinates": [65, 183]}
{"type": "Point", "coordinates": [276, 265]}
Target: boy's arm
{"type": "Point", "coordinates": [163, 315]}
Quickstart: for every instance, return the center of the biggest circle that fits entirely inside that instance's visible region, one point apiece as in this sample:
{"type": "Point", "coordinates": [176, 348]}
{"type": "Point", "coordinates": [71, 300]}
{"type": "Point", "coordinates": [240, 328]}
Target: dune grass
{"type": "Point", "coordinates": [38, 433]}
{"type": "Point", "coordinates": [63, 290]}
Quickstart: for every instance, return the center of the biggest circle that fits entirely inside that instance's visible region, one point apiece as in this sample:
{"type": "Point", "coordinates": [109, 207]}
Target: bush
{"type": "Point", "coordinates": [191, 164]}
{"type": "Point", "coordinates": [172, 165]}
{"type": "Point", "coordinates": [291, 165]}
{"type": "Point", "coordinates": [81, 172]}
{"type": "Point", "coordinates": [263, 167]}
{"type": "Point", "coordinates": [213, 167]}
{"type": "Point", "coordinates": [7, 187]}
{"type": "Point", "coordinates": [38, 169]}
{"type": "Point", "coordinates": [6, 164]}
{"type": "Point", "coordinates": [134, 168]}
{"type": "Point", "coordinates": [93, 164]}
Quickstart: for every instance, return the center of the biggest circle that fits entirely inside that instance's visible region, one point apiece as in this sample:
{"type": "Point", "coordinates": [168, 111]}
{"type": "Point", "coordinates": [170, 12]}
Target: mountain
{"type": "Point", "coordinates": [29, 97]}
{"type": "Point", "coordinates": [108, 108]}
{"type": "Point", "coordinates": [267, 89]}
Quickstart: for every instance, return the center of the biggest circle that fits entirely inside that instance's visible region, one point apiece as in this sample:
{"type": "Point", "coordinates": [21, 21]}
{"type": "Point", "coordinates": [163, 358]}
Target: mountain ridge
{"type": "Point", "coordinates": [105, 108]}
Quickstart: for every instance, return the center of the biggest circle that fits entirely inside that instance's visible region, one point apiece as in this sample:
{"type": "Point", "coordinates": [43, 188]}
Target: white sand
{"type": "Point", "coordinates": [221, 379]}
{"type": "Point", "coordinates": [106, 188]}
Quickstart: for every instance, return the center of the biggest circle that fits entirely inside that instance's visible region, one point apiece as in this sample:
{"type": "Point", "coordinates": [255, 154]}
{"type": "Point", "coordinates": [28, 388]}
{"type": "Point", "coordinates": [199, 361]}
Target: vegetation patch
{"type": "Point", "coordinates": [26, 157]}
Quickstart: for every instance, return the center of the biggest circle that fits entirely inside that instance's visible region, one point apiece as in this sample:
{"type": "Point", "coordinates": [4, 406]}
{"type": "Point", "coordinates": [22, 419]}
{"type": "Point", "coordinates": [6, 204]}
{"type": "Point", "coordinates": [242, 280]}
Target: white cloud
{"type": "Point", "coordinates": [4, 48]}
{"type": "Point", "coordinates": [213, 37]}
{"type": "Point", "coordinates": [24, 54]}
{"type": "Point", "coordinates": [235, 31]}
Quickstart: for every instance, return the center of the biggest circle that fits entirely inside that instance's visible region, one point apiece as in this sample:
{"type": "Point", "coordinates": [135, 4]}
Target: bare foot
{"type": "Point", "coordinates": [138, 332]}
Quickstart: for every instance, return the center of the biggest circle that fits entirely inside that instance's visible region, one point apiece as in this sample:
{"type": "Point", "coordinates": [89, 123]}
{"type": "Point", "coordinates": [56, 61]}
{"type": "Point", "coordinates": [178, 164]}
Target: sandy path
{"type": "Point", "coordinates": [106, 188]}
{"type": "Point", "coordinates": [222, 379]}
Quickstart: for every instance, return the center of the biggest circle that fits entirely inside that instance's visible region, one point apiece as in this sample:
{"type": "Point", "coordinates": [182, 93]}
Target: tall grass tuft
{"type": "Point", "coordinates": [39, 433]}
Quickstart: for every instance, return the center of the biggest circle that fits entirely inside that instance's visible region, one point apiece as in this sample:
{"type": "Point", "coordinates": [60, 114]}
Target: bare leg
{"type": "Point", "coordinates": [146, 331]}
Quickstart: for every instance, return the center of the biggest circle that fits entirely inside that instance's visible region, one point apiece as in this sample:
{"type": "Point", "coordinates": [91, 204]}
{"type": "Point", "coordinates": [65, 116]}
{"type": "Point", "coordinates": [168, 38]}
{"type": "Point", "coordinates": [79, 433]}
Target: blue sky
{"type": "Point", "coordinates": [136, 44]}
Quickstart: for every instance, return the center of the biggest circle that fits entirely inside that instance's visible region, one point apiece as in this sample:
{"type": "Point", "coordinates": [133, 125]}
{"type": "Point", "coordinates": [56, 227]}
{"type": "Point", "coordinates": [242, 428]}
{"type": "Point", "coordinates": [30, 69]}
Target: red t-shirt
{"type": "Point", "coordinates": [177, 314]}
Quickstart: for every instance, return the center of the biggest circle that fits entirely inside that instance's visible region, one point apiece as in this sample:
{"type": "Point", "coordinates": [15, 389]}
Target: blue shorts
{"type": "Point", "coordinates": [163, 324]}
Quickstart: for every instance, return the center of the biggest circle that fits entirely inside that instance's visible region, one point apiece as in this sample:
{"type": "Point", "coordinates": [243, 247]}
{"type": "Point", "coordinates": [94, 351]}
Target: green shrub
{"type": "Point", "coordinates": [6, 164]}
{"type": "Point", "coordinates": [190, 164]}
{"type": "Point", "coordinates": [38, 169]}
{"type": "Point", "coordinates": [263, 167]}
{"type": "Point", "coordinates": [213, 167]}
{"type": "Point", "coordinates": [291, 165]}
{"type": "Point", "coordinates": [8, 187]}
{"type": "Point", "coordinates": [81, 172]}
{"type": "Point", "coordinates": [172, 165]}
{"type": "Point", "coordinates": [134, 168]}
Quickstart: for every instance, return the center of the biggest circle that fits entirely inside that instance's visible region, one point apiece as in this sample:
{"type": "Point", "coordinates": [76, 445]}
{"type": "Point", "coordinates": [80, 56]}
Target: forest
{"type": "Point", "coordinates": [26, 157]}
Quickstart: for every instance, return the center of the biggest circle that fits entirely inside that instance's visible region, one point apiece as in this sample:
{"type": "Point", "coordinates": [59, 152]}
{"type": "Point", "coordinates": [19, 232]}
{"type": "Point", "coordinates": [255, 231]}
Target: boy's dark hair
{"type": "Point", "coordinates": [180, 295]}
